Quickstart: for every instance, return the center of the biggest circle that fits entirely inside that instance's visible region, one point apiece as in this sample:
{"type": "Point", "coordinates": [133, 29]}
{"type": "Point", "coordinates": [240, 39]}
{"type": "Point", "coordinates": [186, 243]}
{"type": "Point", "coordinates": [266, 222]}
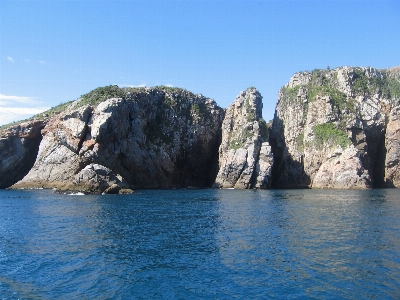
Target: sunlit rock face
{"type": "Point", "coordinates": [337, 129]}
{"type": "Point", "coordinates": [245, 157]}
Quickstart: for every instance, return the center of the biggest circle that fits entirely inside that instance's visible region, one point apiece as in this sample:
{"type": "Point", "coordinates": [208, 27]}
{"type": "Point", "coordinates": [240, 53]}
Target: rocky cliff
{"type": "Point", "coordinates": [19, 146]}
{"type": "Point", "coordinates": [113, 139]}
{"type": "Point", "coordinates": [245, 157]}
{"type": "Point", "coordinates": [338, 129]}
{"type": "Point", "coordinates": [335, 128]}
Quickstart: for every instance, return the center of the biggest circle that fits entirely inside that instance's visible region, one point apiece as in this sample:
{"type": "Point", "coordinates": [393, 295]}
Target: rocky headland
{"type": "Point", "coordinates": [336, 128]}
{"type": "Point", "coordinates": [113, 139]}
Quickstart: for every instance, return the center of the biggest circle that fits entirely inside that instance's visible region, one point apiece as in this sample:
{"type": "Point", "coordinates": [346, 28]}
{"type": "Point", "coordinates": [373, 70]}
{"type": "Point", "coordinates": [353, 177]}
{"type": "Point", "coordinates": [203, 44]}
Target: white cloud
{"type": "Point", "coordinates": [132, 86]}
{"type": "Point", "coordinates": [15, 108]}
{"type": "Point", "coordinates": [22, 110]}
{"type": "Point", "coordinates": [145, 85]}
{"type": "Point", "coordinates": [8, 100]}
{"type": "Point", "coordinates": [42, 62]}
{"type": "Point", "coordinates": [11, 114]}
{"type": "Point", "coordinates": [140, 85]}
{"type": "Point", "coordinates": [9, 58]}
{"type": "Point", "coordinates": [20, 99]}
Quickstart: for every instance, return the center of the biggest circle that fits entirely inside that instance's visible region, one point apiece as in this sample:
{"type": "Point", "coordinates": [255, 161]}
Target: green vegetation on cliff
{"type": "Point", "coordinates": [328, 133]}
{"type": "Point", "coordinates": [290, 94]}
{"type": "Point", "coordinates": [239, 140]}
{"type": "Point", "coordinates": [263, 129]}
{"type": "Point", "coordinates": [251, 114]}
{"type": "Point", "coordinates": [385, 86]}
{"type": "Point", "coordinates": [325, 83]}
{"type": "Point", "coordinates": [101, 94]}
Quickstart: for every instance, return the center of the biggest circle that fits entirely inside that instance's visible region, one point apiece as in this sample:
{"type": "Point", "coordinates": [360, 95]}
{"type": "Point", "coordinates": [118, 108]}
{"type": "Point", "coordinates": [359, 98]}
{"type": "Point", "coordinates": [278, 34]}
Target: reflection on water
{"type": "Point", "coordinates": [201, 244]}
{"type": "Point", "coordinates": [319, 243]}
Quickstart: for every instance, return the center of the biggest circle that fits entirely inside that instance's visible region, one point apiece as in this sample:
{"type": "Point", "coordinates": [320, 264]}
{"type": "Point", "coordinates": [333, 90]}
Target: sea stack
{"type": "Point", "coordinates": [245, 157]}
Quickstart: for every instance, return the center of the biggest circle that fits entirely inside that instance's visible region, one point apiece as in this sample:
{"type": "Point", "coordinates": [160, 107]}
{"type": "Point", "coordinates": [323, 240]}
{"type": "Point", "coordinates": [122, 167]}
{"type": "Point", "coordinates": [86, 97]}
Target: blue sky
{"type": "Point", "coordinates": [54, 51]}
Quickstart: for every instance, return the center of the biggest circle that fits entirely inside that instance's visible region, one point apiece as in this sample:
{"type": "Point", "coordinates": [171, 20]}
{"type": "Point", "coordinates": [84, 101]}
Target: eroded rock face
{"type": "Point", "coordinates": [331, 129]}
{"type": "Point", "coordinates": [18, 147]}
{"type": "Point", "coordinates": [343, 170]}
{"type": "Point", "coordinates": [392, 142]}
{"type": "Point", "coordinates": [245, 157]}
{"type": "Point", "coordinates": [146, 138]}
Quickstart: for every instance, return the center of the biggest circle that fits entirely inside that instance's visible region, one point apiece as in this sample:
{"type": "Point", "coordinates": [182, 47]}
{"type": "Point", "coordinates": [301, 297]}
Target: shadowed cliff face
{"type": "Point", "coordinates": [19, 146]}
{"type": "Point", "coordinates": [144, 138]}
{"type": "Point", "coordinates": [337, 129]}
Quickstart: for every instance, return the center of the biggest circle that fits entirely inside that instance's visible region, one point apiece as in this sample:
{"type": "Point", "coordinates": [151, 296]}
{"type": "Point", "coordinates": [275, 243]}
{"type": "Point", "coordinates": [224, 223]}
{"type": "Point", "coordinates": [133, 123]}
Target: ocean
{"type": "Point", "coordinates": [201, 244]}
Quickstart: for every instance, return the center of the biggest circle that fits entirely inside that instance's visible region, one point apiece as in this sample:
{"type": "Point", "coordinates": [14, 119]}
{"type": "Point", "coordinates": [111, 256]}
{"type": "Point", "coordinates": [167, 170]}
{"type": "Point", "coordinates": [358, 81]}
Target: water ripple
{"type": "Point", "coordinates": [201, 244]}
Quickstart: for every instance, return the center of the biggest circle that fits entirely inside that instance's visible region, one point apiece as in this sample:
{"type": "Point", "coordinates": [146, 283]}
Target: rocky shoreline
{"type": "Point", "coordinates": [336, 128]}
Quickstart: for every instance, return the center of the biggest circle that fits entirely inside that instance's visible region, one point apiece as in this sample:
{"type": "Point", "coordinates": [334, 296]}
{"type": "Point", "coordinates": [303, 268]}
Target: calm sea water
{"type": "Point", "coordinates": [201, 244]}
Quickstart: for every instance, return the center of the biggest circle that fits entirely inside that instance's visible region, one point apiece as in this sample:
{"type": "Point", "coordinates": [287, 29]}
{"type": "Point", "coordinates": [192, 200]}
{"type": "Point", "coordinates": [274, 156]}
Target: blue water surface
{"type": "Point", "coordinates": [201, 244]}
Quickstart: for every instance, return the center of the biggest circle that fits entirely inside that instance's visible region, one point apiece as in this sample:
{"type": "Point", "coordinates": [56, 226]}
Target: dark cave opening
{"type": "Point", "coordinates": [377, 159]}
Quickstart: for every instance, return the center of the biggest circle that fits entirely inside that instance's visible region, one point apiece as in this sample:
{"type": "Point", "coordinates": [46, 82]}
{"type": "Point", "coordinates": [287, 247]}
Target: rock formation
{"type": "Point", "coordinates": [337, 129]}
{"type": "Point", "coordinates": [245, 157]}
{"type": "Point", "coordinates": [18, 147]}
{"type": "Point", "coordinates": [113, 139]}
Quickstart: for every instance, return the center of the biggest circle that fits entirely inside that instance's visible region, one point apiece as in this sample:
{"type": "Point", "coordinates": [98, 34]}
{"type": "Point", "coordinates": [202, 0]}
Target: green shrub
{"type": "Point", "coordinates": [263, 129]}
{"type": "Point", "coordinates": [300, 143]}
{"type": "Point", "coordinates": [290, 94]}
{"type": "Point", "coordinates": [170, 102]}
{"type": "Point", "coordinates": [390, 88]}
{"type": "Point", "coordinates": [240, 140]}
{"type": "Point", "coordinates": [386, 86]}
{"type": "Point", "coordinates": [328, 133]}
{"type": "Point", "coordinates": [101, 94]}
{"type": "Point", "coordinates": [251, 114]}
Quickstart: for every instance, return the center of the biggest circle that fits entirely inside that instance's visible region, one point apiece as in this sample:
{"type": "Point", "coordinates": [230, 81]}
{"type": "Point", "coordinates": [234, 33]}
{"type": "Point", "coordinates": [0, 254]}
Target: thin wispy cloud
{"type": "Point", "coordinates": [15, 108]}
{"type": "Point", "coordinates": [11, 114]}
{"type": "Point", "coordinates": [132, 85]}
{"type": "Point", "coordinates": [42, 62]}
{"type": "Point", "coordinates": [140, 85]}
{"type": "Point", "coordinates": [145, 85]}
{"type": "Point", "coordinates": [22, 110]}
{"type": "Point", "coordinates": [10, 59]}
{"type": "Point", "coordinates": [11, 99]}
